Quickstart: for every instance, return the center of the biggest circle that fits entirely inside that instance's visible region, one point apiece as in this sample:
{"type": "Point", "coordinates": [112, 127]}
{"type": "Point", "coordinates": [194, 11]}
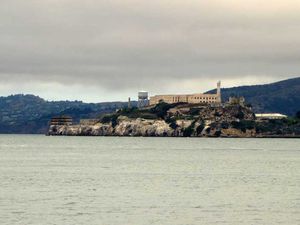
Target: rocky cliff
{"type": "Point", "coordinates": [182, 120]}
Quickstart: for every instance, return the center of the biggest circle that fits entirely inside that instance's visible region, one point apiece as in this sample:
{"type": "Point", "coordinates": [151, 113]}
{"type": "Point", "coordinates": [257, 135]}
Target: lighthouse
{"type": "Point", "coordinates": [219, 97]}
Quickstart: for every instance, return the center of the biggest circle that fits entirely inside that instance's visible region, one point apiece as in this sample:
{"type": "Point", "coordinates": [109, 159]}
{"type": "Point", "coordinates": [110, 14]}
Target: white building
{"type": "Point", "coordinates": [270, 116]}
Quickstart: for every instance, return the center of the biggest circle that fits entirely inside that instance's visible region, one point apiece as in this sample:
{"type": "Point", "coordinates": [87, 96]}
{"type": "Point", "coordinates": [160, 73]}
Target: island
{"type": "Point", "coordinates": [234, 118]}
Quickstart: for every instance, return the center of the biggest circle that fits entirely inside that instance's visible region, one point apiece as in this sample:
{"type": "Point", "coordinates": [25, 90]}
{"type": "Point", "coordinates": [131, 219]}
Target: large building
{"type": "Point", "coordinates": [189, 98]}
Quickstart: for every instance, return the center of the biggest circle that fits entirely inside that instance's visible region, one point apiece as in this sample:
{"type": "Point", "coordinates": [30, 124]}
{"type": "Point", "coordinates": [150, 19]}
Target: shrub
{"type": "Point", "coordinates": [148, 116]}
{"type": "Point", "coordinates": [298, 115]}
{"type": "Point", "coordinates": [217, 114]}
{"type": "Point", "coordinates": [194, 111]}
{"type": "Point", "coordinates": [240, 115]}
{"type": "Point", "coordinates": [106, 119]}
{"type": "Point", "coordinates": [173, 125]}
{"type": "Point", "coordinates": [172, 122]}
{"type": "Point", "coordinates": [262, 128]}
{"type": "Point", "coordinates": [187, 132]}
{"type": "Point", "coordinates": [289, 121]}
{"type": "Point", "coordinates": [128, 111]}
{"type": "Point", "coordinates": [218, 133]}
{"type": "Point", "coordinates": [225, 125]}
{"type": "Point", "coordinates": [161, 109]}
{"type": "Point", "coordinates": [243, 125]}
{"type": "Point", "coordinates": [110, 119]}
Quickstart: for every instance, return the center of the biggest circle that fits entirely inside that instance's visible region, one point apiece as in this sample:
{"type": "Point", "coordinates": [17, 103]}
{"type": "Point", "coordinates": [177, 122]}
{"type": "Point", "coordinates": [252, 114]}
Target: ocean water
{"type": "Point", "coordinates": [143, 181]}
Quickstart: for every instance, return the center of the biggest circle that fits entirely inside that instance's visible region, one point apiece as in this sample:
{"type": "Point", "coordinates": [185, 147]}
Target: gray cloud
{"type": "Point", "coordinates": [85, 49]}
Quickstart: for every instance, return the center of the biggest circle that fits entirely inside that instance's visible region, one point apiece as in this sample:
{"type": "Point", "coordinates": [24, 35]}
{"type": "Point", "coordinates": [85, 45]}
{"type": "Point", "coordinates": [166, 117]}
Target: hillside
{"type": "Point", "coordinates": [282, 97]}
{"type": "Point", "coordinates": [31, 114]}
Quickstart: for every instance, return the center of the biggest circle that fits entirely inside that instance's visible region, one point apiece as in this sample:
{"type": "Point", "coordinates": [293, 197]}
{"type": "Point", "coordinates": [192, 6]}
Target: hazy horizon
{"type": "Point", "coordinates": [134, 97]}
{"type": "Point", "coordinates": [96, 51]}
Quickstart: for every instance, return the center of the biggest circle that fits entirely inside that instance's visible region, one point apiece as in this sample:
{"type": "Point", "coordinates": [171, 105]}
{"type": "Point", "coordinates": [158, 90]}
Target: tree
{"type": "Point", "coordinates": [298, 115]}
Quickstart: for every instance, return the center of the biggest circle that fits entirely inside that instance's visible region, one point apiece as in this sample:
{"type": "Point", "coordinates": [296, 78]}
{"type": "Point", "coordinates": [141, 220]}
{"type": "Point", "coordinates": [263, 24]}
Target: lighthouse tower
{"type": "Point", "coordinates": [219, 97]}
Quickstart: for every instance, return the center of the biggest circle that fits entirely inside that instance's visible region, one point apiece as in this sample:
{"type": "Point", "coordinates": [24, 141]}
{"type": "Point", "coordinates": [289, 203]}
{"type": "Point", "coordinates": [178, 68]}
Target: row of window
{"type": "Point", "coordinates": [206, 101]}
{"type": "Point", "coordinates": [206, 98]}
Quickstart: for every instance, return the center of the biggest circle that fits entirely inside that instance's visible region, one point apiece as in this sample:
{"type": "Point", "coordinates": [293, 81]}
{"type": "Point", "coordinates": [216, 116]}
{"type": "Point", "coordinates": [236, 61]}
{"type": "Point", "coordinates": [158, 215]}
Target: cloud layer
{"type": "Point", "coordinates": [106, 50]}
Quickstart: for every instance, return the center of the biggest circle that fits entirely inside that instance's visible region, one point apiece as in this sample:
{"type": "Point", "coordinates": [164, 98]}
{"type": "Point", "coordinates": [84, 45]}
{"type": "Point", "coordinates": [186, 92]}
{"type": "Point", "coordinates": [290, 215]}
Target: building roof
{"type": "Point", "coordinates": [270, 115]}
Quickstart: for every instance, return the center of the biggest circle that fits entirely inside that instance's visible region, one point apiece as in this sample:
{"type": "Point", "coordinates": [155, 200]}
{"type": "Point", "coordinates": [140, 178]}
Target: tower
{"type": "Point", "coordinates": [129, 103]}
{"type": "Point", "coordinates": [219, 97]}
{"type": "Point", "coordinates": [143, 99]}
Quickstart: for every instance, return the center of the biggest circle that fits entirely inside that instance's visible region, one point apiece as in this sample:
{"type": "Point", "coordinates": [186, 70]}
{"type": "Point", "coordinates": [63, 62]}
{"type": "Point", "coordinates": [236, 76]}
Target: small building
{"type": "Point", "coordinates": [270, 116]}
{"type": "Point", "coordinates": [61, 120]}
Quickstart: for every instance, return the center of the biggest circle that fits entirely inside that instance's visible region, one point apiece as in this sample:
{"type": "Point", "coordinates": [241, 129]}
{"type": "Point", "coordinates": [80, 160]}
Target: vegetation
{"type": "Point", "coordinates": [282, 97]}
{"type": "Point", "coordinates": [187, 132]}
{"type": "Point", "coordinates": [110, 118]}
{"type": "Point", "coordinates": [220, 121]}
{"type": "Point", "coordinates": [244, 125]}
{"type": "Point", "coordinates": [298, 115]}
{"type": "Point", "coordinates": [200, 128]}
{"type": "Point", "coordinates": [240, 115]}
{"type": "Point", "coordinates": [172, 122]}
{"type": "Point", "coordinates": [161, 109]}
{"type": "Point", "coordinates": [194, 111]}
{"type": "Point", "coordinates": [31, 114]}
{"type": "Point", "coordinates": [136, 113]}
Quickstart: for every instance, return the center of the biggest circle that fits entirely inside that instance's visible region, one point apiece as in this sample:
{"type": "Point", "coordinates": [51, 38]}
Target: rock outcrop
{"type": "Point", "coordinates": [181, 120]}
{"type": "Point", "coordinates": [125, 127]}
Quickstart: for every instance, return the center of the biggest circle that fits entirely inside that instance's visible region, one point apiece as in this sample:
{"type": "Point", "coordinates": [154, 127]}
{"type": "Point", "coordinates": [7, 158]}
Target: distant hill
{"type": "Point", "coordinates": [282, 97]}
{"type": "Point", "coordinates": [31, 114]}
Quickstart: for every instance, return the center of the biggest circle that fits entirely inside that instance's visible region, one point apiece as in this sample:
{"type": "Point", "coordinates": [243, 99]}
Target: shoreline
{"type": "Point", "coordinates": [194, 137]}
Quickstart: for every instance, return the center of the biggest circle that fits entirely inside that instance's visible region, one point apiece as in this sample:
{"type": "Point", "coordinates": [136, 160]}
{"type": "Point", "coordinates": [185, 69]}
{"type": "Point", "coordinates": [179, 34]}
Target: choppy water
{"type": "Point", "coordinates": [143, 181]}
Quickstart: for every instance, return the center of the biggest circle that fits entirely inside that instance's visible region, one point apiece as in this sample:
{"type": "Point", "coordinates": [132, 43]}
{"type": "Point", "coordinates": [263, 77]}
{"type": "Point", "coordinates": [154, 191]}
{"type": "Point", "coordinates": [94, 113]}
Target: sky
{"type": "Point", "coordinates": [108, 50]}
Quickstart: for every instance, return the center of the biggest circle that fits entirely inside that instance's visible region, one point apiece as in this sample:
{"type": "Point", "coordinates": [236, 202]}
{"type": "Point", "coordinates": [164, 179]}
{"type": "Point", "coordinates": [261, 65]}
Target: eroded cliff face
{"type": "Point", "coordinates": [182, 120]}
{"type": "Point", "coordinates": [125, 127]}
{"type": "Point", "coordinates": [149, 128]}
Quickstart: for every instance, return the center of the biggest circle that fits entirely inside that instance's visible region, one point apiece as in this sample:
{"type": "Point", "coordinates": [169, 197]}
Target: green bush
{"type": "Point", "coordinates": [188, 131]}
{"type": "Point", "coordinates": [289, 121]}
{"type": "Point", "coordinates": [148, 116]}
{"type": "Point", "coordinates": [112, 118]}
{"type": "Point", "coordinates": [244, 125]}
{"type": "Point", "coordinates": [262, 128]}
{"type": "Point", "coordinates": [298, 115]}
{"type": "Point", "coordinates": [128, 111]}
{"type": "Point", "coordinates": [173, 125]}
{"type": "Point", "coordinates": [240, 115]}
{"type": "Point", "coordinates": [194, 111]}
{"type": "Point", "coordinates": [161, 109]}
{"type": "Point", "coordinates": [225, 125]}
{"type": "Point", "coordinates": [218, 133]}
{"type": "Point", "coordinates": [172, 122]}
{"type": "Point", "coordinates": [106, 119]}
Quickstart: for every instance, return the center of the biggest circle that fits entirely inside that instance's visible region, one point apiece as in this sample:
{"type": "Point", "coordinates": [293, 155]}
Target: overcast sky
{"type": "Point", "coordinates": [104, 50]}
